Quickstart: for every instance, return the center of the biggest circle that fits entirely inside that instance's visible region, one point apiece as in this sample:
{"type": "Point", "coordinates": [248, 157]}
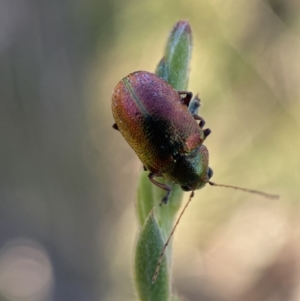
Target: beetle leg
{"type": "Point", "coordinates": [188, 96]}
{"type": "Point", "coordinates": [161, 185]}
{"type": "Point", "coordinates": [145, 168]}
{"type": "Point", "coordinates": [114, 126]}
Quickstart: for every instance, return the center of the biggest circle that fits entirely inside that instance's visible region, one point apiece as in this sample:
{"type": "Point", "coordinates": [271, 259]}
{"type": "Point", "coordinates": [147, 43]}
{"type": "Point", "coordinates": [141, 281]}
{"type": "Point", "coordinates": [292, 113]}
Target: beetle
{"type": "Point", "coordinates": [161, 125]}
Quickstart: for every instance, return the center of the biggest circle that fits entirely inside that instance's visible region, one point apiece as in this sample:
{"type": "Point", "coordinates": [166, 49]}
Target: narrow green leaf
{"type": "Point", "coordinates": [174, 66]}
{"type": "Point", "coordinates": [150, 243]}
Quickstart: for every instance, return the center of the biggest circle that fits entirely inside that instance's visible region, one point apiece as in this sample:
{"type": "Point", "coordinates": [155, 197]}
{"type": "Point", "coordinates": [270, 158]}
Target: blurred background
{"type": "Point", "coordinates": [68, 181]}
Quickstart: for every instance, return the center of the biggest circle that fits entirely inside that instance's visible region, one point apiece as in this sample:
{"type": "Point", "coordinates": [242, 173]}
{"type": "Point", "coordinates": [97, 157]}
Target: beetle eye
{"type": "Point", "coordinates": [186, 188]}
{"type": "Point", "coordinates": [209, 172]}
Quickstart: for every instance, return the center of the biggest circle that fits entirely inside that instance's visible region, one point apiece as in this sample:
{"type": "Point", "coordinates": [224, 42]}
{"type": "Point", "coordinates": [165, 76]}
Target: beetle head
{"type": "Point", "coordinates": [202, 181]}
{"type": "Point", "coordinates": [197, 170]}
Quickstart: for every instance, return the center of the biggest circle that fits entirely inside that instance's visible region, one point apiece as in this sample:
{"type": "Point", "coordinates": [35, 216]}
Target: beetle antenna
{"type": "Point", "coordinates": [161, 256]}
{"type": "Point", "coordinates": [266, 195]}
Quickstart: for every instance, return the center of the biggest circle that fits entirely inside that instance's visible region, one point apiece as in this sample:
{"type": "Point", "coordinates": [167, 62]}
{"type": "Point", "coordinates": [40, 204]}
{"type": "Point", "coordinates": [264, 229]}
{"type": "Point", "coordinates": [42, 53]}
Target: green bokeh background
{"type": "Point", "coordinates": [68, 181]}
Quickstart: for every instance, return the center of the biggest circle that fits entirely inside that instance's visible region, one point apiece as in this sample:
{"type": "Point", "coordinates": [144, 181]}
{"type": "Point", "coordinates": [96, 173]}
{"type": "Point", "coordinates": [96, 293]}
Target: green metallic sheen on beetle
{"type": "Point", "coordinates": [155, 120]}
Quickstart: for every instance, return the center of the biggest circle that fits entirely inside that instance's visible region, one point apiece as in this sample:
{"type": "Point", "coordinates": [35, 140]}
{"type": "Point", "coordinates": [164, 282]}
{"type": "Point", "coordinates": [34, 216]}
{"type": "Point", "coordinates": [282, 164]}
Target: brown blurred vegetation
{"type": "Point", "coordinates": [68, 180]}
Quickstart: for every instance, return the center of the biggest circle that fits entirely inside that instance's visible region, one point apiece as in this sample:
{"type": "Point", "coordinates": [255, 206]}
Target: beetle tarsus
{"type": "Point", "coordinates": [115, 126]}
{"type": "Point", "coordinates": [206, 132]}
{"type": "Point", "coordinates": [161, 185]}
{"type": "Point", "coordinates": [165, 199]}
{"type": "Point", "coordinates": [202, 121]}
{"type": "Point", "coordinates": [194, 105]}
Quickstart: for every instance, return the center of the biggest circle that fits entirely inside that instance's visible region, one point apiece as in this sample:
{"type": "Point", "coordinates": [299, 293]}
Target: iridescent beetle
{"type": "Point", "coordinates": [160, 124]}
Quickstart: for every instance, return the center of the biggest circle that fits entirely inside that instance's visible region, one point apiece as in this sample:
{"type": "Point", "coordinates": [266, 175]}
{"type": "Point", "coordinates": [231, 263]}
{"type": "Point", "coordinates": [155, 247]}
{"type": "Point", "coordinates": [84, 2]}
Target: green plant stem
{"type": "Point", "coordinates": [156, 222]}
